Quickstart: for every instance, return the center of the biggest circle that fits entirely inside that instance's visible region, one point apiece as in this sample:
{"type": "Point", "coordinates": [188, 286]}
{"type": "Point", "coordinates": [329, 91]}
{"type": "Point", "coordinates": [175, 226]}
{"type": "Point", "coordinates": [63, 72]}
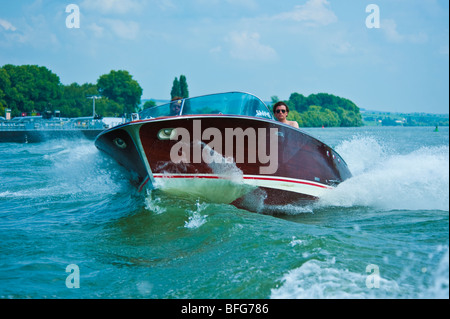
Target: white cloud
{"type": "Point", "coordinates": [34, 32]}
{"type": "Point", "coordinates": [389, 27]}
{"type": "Point", "coordinates": [97, 30]}
{"type": "Point", "coordinates": [166, 5]}
{"type": "Point", "coordinates": [113, 6]}
{"type": "Point", "coordinates": [390, 30]}
{"type": "Point", "coordinates": [250, 4]}
{"type": "Point", "coordinates": [7, 25]}
{"type": "Point", "coordinates": [128, 30]}
{"type": "Point", "coordinates": [342, 47]}
{"type": "Point", "coordinates": [313, 13]}
{"type": "Point", "coordinates": [246, 46]}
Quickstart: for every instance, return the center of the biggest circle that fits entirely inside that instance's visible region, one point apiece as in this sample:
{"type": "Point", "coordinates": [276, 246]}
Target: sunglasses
{"type": "Point", "coordinates": [281, 111]}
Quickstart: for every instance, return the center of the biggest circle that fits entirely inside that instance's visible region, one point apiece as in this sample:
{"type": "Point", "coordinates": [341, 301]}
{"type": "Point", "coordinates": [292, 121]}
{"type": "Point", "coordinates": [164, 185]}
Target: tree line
{"type": "Point", "coordinates": [322, 110]}
{"type": "Point", "coordinates": [32, 89]}
{"type": "Point", "coordinates": [373, 118]}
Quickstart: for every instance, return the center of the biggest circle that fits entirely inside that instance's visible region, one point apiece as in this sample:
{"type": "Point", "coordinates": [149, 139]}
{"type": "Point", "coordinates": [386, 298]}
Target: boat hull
{"type": "Point", "coordinates": [232, 159]}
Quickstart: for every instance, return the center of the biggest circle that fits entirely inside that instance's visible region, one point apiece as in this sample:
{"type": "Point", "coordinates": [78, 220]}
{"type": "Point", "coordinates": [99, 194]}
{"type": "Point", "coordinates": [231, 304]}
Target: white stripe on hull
{"type": "Point", "coordinates": [206, 185]}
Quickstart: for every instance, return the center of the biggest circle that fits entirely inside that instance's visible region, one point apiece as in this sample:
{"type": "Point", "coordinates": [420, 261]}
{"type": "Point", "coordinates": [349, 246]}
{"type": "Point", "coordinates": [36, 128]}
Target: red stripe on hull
{"type": "Point", "coordinates": [244, 177]}
{"type": "Point", "coordinates": [259, 196]}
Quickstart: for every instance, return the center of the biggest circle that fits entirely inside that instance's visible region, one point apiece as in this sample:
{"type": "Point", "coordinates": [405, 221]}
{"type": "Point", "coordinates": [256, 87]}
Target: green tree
{"type": "Point", "coordinates": [32, 88]}
{"type": "Point", "coordinates": [176, 89]}
{"type": "Point", "coordinates": [295, 116]}
{"type": "Point", "coordinates": [179, 88]}
{"type": "Point", "coordinates": [349, 118]}
{"type": "Point", "coordinates": [148, 104]}
{"type": "Point", "coordinates": [184, 91]}
{"type": "Point", "coordinates": [325, 109]}
{"type": "Point", "coordinates": [107, 107]}
{"type": "Point", "coordinates": [75, 102]}
{"type": "Point", "coordinates": [5, 86]}
{"type": "Point", "coordinates": [312, 117]}
{"type": "Point", "coordinates": [318, 116]}
{"type": "Point", "coordinates": [120, 87]}
{"type": "Point", "coordinates": [274, 99]}
{"type": "Point", "coordinates": [29, 88]}
{"type": "Point", "coordinates": [298, 102]}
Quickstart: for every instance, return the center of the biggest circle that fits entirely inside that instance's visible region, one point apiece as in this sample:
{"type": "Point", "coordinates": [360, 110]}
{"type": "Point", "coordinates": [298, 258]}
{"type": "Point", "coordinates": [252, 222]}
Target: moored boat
{"type": "Point", "coordinates": [225, 148]}
{"type": "Point", "coordinates": [33, 129]}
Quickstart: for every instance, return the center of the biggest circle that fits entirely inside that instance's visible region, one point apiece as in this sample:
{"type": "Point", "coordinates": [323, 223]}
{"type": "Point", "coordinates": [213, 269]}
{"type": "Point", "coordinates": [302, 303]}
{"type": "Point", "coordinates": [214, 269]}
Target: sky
{"type": "Point", "coordinates": [264, 47]}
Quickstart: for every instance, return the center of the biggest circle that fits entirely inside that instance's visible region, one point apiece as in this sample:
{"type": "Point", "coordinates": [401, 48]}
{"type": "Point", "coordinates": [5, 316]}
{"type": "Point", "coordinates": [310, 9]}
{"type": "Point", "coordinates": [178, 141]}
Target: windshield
{"type": "Point", "coordinates": [234, 103]}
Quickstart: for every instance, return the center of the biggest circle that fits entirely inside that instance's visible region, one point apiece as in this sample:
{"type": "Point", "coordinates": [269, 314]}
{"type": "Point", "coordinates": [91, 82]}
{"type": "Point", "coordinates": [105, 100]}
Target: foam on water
{"type": "Point", "coordinates": [66, 168]}
{"type": "Point", "coordinates": [439, 288]}
{"type": "Point", "coordinates": [154, 204]}
{"type": "Point", "coordinates": [317, 279]}
{"type": "Point", "coordinates": [325, 280]}
{"type": "Point", "coordinates": [385, 179]}
{"type": "Point", "coordinates": [158, 205]}
{"type": "Point", "coordinates": [82, 169]}
{"type": "Point", "coordinates": [196, 219]}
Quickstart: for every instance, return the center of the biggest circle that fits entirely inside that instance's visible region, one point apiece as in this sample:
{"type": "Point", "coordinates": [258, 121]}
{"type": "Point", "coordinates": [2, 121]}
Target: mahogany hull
{"type": "Point", "coordinates": [232, 159]}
